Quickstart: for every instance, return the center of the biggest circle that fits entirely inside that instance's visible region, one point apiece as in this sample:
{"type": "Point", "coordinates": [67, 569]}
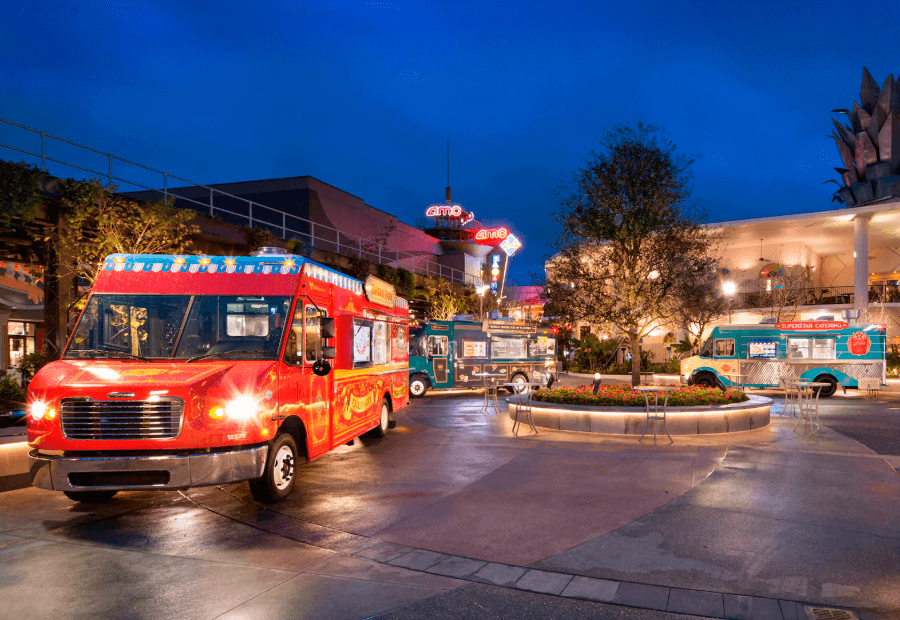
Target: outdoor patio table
{"type": "Point", "coordinates": [489, 380]}
{"type": "Point", "coordinates": [812, 402]}
{"type": "Point", "coordinates": [524, 404]}
{"type": "Point", "coordinates": [737, 380]}
{"type": "Point", "coordinates": [656, 415]}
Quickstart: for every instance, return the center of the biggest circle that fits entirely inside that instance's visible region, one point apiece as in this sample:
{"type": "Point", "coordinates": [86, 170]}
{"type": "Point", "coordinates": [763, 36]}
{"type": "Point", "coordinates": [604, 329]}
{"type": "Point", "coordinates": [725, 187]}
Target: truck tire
{"type": "Point", "coordinates": [518, 378]}
{"type": "Point", "coordinates": [831, 389]}
{"type": "Point", "coordinates": [383, 423]}
{"type": "Point", "coordinates": [418, 385]}
{"type": "Point", "coordinates": [278, 478]}
{"type": "Point", "coordinates": [705, 379]}
{"type": "Point", "coordinates": [90, 497]}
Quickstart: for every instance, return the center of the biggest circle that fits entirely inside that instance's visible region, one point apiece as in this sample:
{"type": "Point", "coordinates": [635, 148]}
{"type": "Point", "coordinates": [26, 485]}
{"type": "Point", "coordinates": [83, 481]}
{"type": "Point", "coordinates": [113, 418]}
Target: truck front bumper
{"type": "Point", "coordinates": [145, 473]}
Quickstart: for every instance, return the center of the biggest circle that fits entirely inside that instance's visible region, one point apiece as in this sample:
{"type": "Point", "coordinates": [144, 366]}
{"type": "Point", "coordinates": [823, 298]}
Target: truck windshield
{"type": "Point", "coordinates": [180, 326]}
{"type": "Point", "coordinates": [417, 341]}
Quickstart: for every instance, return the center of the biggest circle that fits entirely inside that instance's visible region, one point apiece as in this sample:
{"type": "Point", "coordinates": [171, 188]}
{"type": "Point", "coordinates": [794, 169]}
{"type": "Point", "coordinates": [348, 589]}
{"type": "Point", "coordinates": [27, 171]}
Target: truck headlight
{"type": "Point", "coordinates": [41, 410]}
{"type": "Point", "coordinates": [242, 408]}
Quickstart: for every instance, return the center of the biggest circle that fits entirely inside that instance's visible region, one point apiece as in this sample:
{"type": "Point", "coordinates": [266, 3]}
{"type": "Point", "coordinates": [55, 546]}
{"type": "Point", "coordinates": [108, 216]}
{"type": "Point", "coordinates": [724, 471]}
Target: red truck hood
{"type": "Point", "coordinates": [93, 376]}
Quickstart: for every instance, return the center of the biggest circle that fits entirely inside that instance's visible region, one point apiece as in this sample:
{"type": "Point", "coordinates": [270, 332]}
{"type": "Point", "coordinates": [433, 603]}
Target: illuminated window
{"type": "Point", "coordinates": [20, 340]}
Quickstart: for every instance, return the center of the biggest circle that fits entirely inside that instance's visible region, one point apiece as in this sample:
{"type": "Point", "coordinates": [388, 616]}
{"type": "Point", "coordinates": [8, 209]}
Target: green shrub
{"type": "Point", "coordinates": [11, 392]}
{"type": "Point", "coordinates": [623, 396]}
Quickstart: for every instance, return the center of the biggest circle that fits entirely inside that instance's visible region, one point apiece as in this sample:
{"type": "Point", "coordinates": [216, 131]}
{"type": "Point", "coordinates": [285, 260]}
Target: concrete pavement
{"type": "Point", "coordinates": [451, 516]}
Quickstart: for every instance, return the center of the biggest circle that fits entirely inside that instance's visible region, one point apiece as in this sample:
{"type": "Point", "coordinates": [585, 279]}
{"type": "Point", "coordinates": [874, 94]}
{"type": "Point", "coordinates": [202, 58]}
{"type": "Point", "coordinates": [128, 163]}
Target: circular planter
{"type": "Point", "coordinates": [702, 420]}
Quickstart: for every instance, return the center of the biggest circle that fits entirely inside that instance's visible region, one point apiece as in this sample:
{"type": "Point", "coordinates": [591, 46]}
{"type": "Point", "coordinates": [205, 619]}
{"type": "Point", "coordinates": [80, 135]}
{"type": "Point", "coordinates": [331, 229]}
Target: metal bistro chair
{"type": "Point", "coordinates": [523, 408]}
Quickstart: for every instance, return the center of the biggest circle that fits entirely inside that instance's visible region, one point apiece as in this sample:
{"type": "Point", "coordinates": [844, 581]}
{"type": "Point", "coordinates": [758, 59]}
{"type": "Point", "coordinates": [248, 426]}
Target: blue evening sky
{"type": "Point", "coordinates": [364, 95]}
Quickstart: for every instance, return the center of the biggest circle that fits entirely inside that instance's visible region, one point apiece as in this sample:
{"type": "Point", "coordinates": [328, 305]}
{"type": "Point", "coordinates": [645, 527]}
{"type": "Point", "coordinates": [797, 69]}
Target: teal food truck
{"type": "Point", "coordinates": [833, 352]}
{"type": "Point", "coordinates": [445, 354]}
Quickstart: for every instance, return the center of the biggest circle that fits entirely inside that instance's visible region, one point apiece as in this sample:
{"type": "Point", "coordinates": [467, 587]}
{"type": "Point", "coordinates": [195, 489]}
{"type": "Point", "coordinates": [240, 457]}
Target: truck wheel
{"type": "Point", "coordinates": [705, 379]}
{"type": "Point", "coordinates": [90, 497]}
{"type": "Point", "coordinates": [417, 386]}
{"type": "Point", "coordinates": [381, 430]}
{"type": "Point", "coordinates": [520, 379]}
{"type": "Point", "coordinates": [832, 385]}
{"type": "Point", "coordinates": [277, 480]}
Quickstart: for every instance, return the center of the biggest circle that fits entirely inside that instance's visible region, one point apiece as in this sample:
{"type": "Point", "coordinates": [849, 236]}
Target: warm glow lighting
{"type": "Point", "coordinates": [205, 261]}
{"type": "Point", "coordinates": [217, 413]}
{"type": "Point", "coordinates": [289, 263]}
{"type": "Point", "coordinates": [119, 259]}
{"type": "Point", "coordinates": [41, 410]}
{"type": "Point", "coordinates": [230, 261]}
{"type": "Point", "coordinates": [729, 288]}
{"type": "Point", "coordinates": [241, 408]}
{"type": "Point", "coordinates": [179, 261]}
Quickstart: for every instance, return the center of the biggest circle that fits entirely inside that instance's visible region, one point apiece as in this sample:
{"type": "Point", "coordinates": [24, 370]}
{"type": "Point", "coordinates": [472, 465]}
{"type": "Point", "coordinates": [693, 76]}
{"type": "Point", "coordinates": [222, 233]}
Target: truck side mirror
{"type": "Point", "coordinates": [329, 353]}
{"type": "Point", "coordinates": [327, 328]}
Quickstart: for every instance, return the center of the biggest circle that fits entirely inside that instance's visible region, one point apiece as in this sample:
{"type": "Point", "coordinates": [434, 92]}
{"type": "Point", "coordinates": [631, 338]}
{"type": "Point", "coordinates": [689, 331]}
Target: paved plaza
{"type": "Point", "coordinates": [451, 516]}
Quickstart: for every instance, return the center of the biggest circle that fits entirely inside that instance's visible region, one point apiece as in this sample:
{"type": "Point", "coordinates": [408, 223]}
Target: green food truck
{"type": "Point", "coordinates": [446, 354]}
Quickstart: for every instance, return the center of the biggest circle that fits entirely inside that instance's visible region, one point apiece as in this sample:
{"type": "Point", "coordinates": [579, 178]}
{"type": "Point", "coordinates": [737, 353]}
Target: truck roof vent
{"type": "Point", "coordinates": [464, 317]}
{"type": "Point", "coordinates": [825, 317]}
{"type": "Point", "coordinates": [768, 320]}
{"type": "Point", "coordinates": [269, 251]}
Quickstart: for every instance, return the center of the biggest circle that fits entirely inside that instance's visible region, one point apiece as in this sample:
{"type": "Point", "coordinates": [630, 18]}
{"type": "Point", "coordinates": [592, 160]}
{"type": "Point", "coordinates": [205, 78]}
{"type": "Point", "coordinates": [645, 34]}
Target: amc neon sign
{"type": "Point", "coordinates": [450, 211]}
{"type": "Point", "coordinates": [491, 235]}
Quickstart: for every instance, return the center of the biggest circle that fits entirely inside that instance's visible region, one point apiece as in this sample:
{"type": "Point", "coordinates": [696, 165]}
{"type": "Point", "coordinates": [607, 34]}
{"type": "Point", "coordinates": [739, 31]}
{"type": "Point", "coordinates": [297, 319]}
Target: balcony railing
{"type": "Point", "coordinates": [88, 162]}
{"type": "Point", "coordinates": [823, 296]}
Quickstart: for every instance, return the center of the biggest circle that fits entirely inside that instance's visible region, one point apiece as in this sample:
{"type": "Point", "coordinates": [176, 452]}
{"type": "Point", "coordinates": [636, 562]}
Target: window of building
{"type": "Point", "coordinates": [20, 340]}
{"type": "Point", "coordinates": [724, 347]}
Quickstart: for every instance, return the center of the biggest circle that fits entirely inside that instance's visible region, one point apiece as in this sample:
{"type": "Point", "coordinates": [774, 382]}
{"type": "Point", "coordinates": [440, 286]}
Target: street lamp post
{"type": "Point", "coordinates": [481, 290]}
{"type": "Point", "coordinates": [728, 288]}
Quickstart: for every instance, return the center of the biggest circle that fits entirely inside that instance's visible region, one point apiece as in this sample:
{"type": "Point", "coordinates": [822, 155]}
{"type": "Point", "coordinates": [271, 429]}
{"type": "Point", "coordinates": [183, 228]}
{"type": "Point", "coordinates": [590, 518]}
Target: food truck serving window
{"type": "Point", "coordinates": [362, 343]}
{"type": "Point", "coordinates": [508, 348]}
{"type": "Point", "coordinates": [812, 348]}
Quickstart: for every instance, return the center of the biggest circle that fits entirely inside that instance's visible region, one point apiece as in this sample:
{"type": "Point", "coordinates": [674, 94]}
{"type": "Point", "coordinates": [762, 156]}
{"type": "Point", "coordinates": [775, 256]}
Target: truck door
{"type": "Point", "coordinates": [319, 390]}
{"type": "Point", "coordinates": [438, 355]}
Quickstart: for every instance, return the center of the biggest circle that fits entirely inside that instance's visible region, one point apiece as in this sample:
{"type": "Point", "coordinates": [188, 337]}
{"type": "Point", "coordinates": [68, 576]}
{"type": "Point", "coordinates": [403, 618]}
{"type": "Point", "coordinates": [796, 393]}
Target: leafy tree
{"type": "Point", "coordinates": [20, 195]}
{"type": "Point", "coordinates": [99, 222]}
{"type": "Point", "coordinates": [628, 240]}
{"type": "Point", "coordinates": [444, 300]}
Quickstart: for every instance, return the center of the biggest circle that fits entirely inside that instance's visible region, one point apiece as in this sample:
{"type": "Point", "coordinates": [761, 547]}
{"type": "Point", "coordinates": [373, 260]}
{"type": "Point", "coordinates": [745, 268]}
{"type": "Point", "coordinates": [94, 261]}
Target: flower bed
{"type": "Point", "coordinates": [624, 396]}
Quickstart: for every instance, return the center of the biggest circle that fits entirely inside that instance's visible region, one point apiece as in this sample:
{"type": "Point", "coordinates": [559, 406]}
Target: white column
{"type": "Point", "coordinates": [861, 265]}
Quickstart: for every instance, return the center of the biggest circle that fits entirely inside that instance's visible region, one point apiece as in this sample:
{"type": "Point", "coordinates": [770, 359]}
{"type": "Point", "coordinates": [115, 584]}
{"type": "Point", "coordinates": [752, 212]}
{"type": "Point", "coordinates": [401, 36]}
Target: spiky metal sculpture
{"type": "Point", "coordinates": [870, 145]}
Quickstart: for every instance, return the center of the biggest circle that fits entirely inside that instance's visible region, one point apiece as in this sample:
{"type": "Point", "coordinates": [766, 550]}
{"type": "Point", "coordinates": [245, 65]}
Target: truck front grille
{"type": "Point", "coordinates": [86, 418]}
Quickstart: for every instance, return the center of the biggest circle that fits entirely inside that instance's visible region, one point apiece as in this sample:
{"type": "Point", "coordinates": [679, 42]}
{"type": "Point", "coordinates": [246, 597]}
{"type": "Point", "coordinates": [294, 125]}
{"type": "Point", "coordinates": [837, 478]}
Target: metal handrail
{"type": "Point", "coordinates": [816, 296]}
{"type": "Point", "coordinates": [353, 245]}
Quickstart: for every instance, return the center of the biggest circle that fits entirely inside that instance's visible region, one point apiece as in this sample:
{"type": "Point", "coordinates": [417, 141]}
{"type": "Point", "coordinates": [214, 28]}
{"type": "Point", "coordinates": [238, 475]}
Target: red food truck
{"type": "Point", "coordinates": [187, 371]}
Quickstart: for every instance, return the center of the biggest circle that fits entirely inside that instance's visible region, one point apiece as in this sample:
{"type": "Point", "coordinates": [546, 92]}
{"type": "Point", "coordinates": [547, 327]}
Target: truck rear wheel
{"type": "Point", "coordinates": [90, 497]}
{"type": "Point", "coordinates": [383, 423]}
{"type": "Point", "coordinates": [825, 392]}
{"type": "Point", "coordinates": [277, 480]}
{"type": "Point", "coordinates": [418, 385]}
{"type": "Point", "coordinates": [521, 380]}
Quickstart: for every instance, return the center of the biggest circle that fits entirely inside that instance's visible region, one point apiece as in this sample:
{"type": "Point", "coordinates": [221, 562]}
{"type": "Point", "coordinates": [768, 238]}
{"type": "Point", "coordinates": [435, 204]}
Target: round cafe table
{"type": "Point", "coordinates": [655, 416]}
